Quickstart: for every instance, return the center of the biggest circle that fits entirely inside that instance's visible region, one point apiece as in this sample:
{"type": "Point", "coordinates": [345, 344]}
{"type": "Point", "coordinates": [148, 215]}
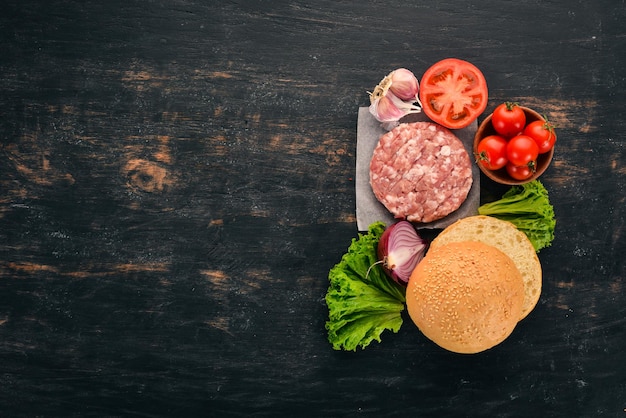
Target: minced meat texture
{"type": "Point", "coordinates": [420, 172]}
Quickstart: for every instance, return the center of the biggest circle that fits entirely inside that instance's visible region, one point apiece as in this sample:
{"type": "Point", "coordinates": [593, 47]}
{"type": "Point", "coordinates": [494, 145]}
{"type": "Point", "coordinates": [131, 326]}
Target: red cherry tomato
{"type": "Point", "coordinates": [520, 172]}
{"type": "Point", "coordinates": [453, 93]}
{"type": "Point", "coordinates": [521, 150]}
{"type": "Point", "coordinates": [491, 152]}
{"type": "Point", "coordinates": [508, 119]}
{"type": "Point", "coordinates": [543, 134]}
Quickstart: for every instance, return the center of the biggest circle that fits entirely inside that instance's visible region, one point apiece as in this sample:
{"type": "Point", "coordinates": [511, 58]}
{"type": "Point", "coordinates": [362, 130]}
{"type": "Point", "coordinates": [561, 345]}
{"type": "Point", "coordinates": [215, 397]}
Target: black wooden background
{"type": "Point", "coordinates": [177, 178]}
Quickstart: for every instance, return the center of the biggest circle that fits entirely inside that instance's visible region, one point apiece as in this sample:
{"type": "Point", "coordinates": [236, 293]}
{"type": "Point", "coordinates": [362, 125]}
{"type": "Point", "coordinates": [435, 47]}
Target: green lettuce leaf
{"type": "Point", "coordinates": [362, 304]}
{"type": "Point", "coordinates": [528, 207]}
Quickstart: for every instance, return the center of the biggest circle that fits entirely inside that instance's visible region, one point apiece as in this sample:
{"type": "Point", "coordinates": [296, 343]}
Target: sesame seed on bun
{"type": "Point", "coordinates": [465, 296]}
{"type": "Point", "coordinates": [507, 238]}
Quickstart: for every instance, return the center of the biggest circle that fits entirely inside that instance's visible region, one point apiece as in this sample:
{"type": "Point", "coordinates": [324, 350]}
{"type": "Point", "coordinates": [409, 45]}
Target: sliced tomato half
{"type": "Point", "coordinates": [453, 93]}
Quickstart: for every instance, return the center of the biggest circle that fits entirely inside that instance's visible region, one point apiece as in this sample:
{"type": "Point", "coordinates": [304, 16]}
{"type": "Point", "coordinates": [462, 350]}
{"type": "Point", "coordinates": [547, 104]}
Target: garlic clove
{"type": "Point", "coordinates": [384, 109]}
{"type": "Point", "coordinates": [403, 84]}
{"type": "Point", "coordinates": [389, 108]}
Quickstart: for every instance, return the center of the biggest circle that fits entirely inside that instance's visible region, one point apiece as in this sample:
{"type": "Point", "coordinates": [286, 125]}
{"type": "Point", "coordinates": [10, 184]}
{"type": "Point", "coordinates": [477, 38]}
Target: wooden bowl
{"type": "Point", "coordinates": [501, 176]}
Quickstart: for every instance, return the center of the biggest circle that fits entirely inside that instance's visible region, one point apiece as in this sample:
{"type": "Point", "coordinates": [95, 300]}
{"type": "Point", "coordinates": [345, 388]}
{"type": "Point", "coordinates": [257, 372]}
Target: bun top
{"type": "Point", "coordinates": [465, 296]}
{"type": "Point", "coordinates": [507, 238]}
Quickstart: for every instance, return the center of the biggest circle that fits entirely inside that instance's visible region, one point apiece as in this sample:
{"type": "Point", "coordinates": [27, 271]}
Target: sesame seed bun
{"type": "Point", "coordinates": [465, 296]}
{"type": "Point", "coordinates": [507, 238]}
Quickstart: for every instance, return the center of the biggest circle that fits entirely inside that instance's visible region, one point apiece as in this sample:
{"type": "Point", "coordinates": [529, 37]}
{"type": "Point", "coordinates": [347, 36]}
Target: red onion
{"type": "Point", "coordinates": [400, 249]}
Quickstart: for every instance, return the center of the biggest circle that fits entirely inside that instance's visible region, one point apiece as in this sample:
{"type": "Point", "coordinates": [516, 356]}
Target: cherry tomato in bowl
{"type": "Point", "coordinates": [508, 119]}
{"type": "Point", "coordinates": [543, 133]}
{"type": "Point", "coordinates": [453, 93]}
{"type": "Point", "coordinates": [542, 162]}
{"type": "Point", "coordinates": [521, 150]}
{"type": "Point", "coordinates": [491, 152]}
{"type": "Point", "coordinates": [520, 172]}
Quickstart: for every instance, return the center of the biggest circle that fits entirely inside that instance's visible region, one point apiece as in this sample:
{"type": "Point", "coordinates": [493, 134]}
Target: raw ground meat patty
{"type": "Point", "coordinates": [420, 171]}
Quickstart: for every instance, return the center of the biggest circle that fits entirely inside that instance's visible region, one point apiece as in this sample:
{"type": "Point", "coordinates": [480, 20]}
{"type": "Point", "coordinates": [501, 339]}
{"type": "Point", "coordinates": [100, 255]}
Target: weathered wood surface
{"type": "Point", "coordinates": [177, 178]}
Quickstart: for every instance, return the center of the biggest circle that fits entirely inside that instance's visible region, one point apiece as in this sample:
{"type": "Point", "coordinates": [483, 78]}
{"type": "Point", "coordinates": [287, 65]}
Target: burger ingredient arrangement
{"type": "Point", "coordinates": [454, 291]}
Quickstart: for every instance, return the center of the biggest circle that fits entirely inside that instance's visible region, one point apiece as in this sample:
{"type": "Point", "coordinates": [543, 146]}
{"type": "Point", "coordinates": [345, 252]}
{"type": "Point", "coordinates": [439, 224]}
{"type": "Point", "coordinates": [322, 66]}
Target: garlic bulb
{"type": "Point", "coordinates": [394, 97]}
